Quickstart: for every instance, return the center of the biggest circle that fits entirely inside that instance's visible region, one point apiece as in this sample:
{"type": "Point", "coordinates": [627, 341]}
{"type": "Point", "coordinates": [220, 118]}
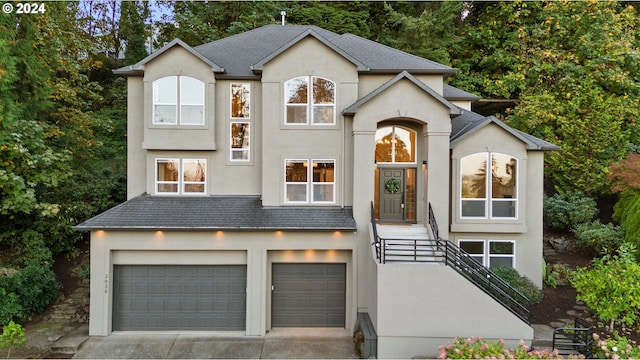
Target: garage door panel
{"type": "Point", "coordinates": [179, 297]}
{"type": "Point", "coordinates": [308, 295]}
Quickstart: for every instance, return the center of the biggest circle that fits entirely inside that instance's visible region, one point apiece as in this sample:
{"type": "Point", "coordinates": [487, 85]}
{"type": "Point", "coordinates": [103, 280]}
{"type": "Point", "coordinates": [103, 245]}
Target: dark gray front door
{"type": "Point", "coordinates": [308, 295]}
{"type": "Point", "coordinates": [392, 202]}
{"type": "Point", "coordinates": [179, 297]}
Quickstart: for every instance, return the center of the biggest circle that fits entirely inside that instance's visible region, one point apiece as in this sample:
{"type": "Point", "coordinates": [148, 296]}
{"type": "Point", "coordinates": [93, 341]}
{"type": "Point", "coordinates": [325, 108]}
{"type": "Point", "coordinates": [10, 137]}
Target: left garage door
{"type": "Point", "coordinates": [179, 297]}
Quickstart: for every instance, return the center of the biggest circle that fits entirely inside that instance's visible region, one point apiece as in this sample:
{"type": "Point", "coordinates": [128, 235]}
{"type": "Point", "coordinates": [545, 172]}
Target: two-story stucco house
{"type": "Point", "coordinates": [256, 164]}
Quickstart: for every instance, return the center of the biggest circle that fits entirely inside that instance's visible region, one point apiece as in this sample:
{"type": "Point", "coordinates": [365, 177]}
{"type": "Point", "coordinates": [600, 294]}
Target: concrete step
{"type": "Point", "coordinates": [70, 343]}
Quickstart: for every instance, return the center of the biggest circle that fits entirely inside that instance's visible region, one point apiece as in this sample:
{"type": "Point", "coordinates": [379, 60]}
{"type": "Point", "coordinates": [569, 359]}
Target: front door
{"type": "Point", "coordinates": [392, 194]}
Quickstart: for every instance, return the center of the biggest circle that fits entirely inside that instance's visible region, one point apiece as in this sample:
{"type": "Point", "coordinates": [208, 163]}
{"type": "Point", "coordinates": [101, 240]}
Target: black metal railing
{"type": "Point", "coordinates": [446, 252]}
{"type": "Point", "coordinates": [433, 223]}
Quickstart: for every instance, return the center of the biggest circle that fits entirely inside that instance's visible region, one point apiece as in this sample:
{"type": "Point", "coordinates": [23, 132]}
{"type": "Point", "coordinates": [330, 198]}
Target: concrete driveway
{"type": "Point", "coordinates": [289, 343]}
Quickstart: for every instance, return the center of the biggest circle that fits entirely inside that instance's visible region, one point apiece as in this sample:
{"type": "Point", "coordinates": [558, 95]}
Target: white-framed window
{"type": "Point", "coordinates": [240, 125]}
{"type": "Point", "coordinates": [489, 186]}
{"type": "Point", "coordinates": [240, 132]}
{"type": "Point", "coordinates": [317, 106]}
{"type": "Point", "coordinates": [178, 100]}
{"type": "Point", "coordinates": [491, 253]}
{"type": "Point", "coordinates": [240, 100]}
{"type": "Point", "coordinates": [181, 176]}
{"type": "Point", "coordinates": [395, 144]}
{"type": "Point", "coordinates": [310, 181]}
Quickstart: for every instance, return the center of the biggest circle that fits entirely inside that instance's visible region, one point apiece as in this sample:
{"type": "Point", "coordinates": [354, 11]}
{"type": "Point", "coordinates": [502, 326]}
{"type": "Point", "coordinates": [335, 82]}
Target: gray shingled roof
{"type": "Point", "coordinates": [147, 212]}
{"type": "Point", "coordinates": [453, 93]}
{"type": "Point", "coordinates": [469, 122]}
{"type": "Point", "coordinates": [242, 55]}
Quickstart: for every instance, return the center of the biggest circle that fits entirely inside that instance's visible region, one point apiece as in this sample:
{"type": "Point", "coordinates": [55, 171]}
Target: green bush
{"type": "Point", "coordinates": [598, 237]}
{"type": "Point", "coordinates": [627, 213]}
{"type": "Point", "coordinates": [521, 283]}
{"type": "Point", "coordinates": [478, 348]}
{"type": "Point", "coordinates": [12, 337]}
{"type": "Point", "coordinates": [564, 211]}
{"type": "Point", "coordinates": [611, 288]}
{"type": "Point", "coordinates": [34, 286]}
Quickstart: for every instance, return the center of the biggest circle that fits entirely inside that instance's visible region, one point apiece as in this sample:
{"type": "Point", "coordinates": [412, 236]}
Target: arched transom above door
{"type": "Point", "coordinates": [395, 144]}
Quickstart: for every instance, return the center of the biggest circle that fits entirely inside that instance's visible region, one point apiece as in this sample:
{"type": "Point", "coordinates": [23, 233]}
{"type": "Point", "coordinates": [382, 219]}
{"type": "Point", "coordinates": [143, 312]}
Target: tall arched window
{"type": "Point", "coordinates": [488, 186]}
{"type": "Point", "coordinates": [395, 144]}
{"type": "Point", "coordinates": [316, 106]}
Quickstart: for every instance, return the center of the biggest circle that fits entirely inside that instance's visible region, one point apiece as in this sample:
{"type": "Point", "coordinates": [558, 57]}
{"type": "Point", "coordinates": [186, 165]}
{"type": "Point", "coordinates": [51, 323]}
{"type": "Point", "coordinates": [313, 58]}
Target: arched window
{"type": "Point", "coordinates": [316, 106]}
{"type": "Point", "coordinates": [395, 144]}
{"type": "Point", "coordinates": [178, 100]}
{"type": "Point", "coordinates": [488, 176]}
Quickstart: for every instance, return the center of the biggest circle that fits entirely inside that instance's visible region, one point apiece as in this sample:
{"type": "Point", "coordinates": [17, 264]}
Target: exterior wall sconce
{"type": "Point", "coordinates": [424, 165]}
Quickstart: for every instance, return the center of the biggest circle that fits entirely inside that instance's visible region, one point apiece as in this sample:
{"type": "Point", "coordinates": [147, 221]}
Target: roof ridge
{"type": "Point", "coordinates": [396, 50]}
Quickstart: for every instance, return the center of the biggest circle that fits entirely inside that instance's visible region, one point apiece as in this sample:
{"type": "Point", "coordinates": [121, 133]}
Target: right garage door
{"type": "Point", "coordinates": [308, 295]}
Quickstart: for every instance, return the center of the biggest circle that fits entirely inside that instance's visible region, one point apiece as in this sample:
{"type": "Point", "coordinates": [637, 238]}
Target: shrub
{"type": "Point", "coordinates": [615, 348]}
{"type": "Point", "coordinates": [611, 289]}
{"type": "Point", "coordinates": [12, 337]}
{"type": "Point", "coordinates": [627, 213]}
{"type": "Point", "coordinates": [477, 348]}
{"type": "Point", "coordinates": [521, 283]}
{"type": "Point", "coordinates": [33, 286]}
{"type": "Point", "coordinates": [564, 211]}
{"type": "Point", "coordinates": [598, 237]}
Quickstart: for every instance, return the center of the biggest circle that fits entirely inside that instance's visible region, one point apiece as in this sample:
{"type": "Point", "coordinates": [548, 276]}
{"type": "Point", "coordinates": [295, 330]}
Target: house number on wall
{"type": "Point", "coordinates": [106, 283]}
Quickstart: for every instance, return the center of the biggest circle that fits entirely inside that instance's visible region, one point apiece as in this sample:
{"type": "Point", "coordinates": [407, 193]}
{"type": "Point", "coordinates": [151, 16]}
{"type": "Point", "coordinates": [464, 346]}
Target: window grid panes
{"type": "Point", "coordinates": [296, 180]}
{"type": "Point", "coordinates": [178, 100]}
{"type": "Point", "coordinates": [240, 141]}
{"type": "Point", "coordinates": [475, 248]}
{"type": "Point", "coordinates": [240, 101]}
{"type": "Point", "coordinates": [485, 176]}
{"type": "Point", "coordinates": [323, 181]}
{"type": "Point", "coordinates": [395, 144]}
{"type": "Point", "coordinates": [491, 253]}
{"type": "Point", "coordinates": [186, 176]}
{"type": "Point", "coordinates": [298, 99]}
{"type": "Point", "coordinates": [501, 253]}
{"type": "Point", "coordinates": [310, 181]}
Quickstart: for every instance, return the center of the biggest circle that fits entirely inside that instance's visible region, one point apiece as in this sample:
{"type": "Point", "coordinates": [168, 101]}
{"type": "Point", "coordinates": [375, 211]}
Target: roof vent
{"type": "Point", "coordinates": [283, 15]}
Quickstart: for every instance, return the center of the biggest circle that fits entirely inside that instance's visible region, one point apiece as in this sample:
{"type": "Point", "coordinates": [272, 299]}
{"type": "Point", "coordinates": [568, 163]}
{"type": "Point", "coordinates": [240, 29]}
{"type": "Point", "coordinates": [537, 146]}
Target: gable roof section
{"type": "Point", "coordinates": [351, 109]}
{"type": "Point", "coordinates": [469, 122]}
{"type": "Point", "coordinates": [243, 55]}
{"type": "Point", "coordinates": [138, 68]}
{"type": "Point", "coordinates": [312, 33]}
{"type": "Point", "coordinates": [209, 213]}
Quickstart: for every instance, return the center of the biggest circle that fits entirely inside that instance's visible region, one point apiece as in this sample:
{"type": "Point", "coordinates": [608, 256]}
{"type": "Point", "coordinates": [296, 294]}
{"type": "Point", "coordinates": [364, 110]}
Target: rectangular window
{"type": "Point", "coordinates": [193, 176]}
{"type": "Point", "coordinates": [240, 141]}
{"type": "Point", "coordinates": [500, 252]}
{"type": "Point", "coordinates": [167, 176]}
{"type": "Point", "coordinates": [475, 248]}
{"type": "Point", "coordinates": [488, 186]}
{"type": "Point", "coordinates": [305, 184]}
{"type": "Point", "coordinates": [186, 176]}
{"type": "Point", "coordinates": [323, 181]}
{"type": "Point", "coordinates": [296, 181]}
{"type": "Point", "coordinates": [240, 101]}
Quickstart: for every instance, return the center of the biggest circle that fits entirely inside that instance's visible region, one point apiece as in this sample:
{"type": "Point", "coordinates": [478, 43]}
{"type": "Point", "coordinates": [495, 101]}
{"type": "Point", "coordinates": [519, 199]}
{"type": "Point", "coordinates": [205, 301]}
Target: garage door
{"type": "Point", "coordinates": [179, 297]}
{"type": "Point", "coordinates": [308, 295]}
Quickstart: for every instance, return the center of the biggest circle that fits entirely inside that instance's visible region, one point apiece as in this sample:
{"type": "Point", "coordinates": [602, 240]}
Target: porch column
{"type": "Point", "coordinates": [438, 174]}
